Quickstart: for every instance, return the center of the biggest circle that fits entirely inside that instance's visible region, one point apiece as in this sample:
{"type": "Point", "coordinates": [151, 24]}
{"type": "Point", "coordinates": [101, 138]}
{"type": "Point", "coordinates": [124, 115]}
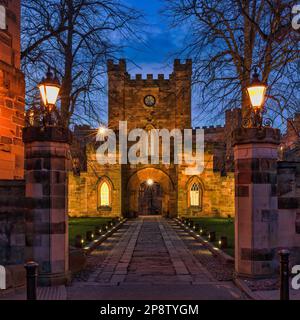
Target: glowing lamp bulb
{"type": "Point", "coordinates": [101, 131]}
{"type": "Point", "coordinates": [257, 95]}
{"type": "Point", "coordinates": [257, 91]}
{"type": "Point", "coordinates": [49, 90]}
{"type": "Point", "coordinates": [150, 182]}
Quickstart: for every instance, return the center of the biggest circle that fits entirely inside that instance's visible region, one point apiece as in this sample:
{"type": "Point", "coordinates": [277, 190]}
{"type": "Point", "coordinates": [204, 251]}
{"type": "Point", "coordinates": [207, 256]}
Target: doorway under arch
{"type": "Point", "coordinates": [165, 197]}
{"type": "Point", "coordinates": [150, 199]}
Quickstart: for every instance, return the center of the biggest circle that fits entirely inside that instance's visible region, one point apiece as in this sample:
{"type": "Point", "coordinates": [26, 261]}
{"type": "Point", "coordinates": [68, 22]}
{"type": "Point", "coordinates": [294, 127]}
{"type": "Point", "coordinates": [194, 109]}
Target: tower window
{"type": "Point", "coordinates": [195, 195]}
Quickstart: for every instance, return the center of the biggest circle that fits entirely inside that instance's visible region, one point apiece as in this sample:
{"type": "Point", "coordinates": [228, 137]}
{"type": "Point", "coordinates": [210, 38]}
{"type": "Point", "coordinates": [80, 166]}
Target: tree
{"type": "Point", "coordinates": [74, 38]}
{"type": "Point", "coordinates": [227, 38]}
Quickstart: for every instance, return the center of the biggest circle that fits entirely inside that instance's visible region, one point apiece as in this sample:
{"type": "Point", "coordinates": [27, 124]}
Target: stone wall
{"type": "Point", "coordinates": [12, 222]}
{"type": "Point", "coordinates": [256, 223]}
{"type": "Point", "coordinates": [84, 188]}
{"type": "Point", "coordinates": [291, 136]}
{"type": "Point", "coordinates": [289, 208]}
{"type": "Point", "coordinates": [12, 92]}
{"type": "Point", "coordinates": [233, 120]}
{"type": "Point", "coordinates": [218, 191]}
{"type": "Point", "coordinates": [173, 98]}
{"type": "Point", "coordinates": [10, 38]}
{"type": "Point", "coordinates": [172, 110]}
{"type": "Point", "coordinates": [47, 151]}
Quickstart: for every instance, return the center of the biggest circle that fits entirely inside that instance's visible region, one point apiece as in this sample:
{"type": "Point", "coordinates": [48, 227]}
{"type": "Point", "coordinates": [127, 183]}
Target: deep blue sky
{"type": "Point", "coordinates": [153, 54]}
{"type": "Point", "coordinates": [159, 47]}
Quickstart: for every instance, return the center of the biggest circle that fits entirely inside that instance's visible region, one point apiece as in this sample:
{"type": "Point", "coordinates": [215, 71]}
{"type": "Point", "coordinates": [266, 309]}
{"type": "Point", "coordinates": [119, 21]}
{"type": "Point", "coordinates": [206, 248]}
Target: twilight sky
{"type": "Point", "coordinates": [158, 48]}
{"type": "Point", "coordinates": [153, 54]}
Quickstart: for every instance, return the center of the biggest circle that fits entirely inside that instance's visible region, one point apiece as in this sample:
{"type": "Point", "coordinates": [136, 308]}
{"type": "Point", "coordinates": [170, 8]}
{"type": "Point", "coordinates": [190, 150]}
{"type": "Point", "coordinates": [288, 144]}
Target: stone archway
{"type": "Point", "coordinates": [159, 177]}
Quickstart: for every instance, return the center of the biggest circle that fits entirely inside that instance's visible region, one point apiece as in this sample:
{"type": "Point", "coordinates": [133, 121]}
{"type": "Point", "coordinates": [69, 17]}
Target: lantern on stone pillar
{"type": "Point", "coordinates": [257, 94]}
{"type": "Point", "coordinates": [49, 89]}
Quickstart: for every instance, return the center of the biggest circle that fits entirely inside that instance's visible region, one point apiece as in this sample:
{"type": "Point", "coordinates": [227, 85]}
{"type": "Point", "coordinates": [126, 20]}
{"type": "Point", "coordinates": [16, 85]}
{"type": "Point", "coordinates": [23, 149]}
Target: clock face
{"type": "Point", "coordinates": [149, 101]}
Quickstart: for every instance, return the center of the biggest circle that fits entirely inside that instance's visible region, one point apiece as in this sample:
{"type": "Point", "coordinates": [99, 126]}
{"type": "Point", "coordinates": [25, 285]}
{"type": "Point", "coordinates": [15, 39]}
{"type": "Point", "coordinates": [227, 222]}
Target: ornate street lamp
{"type": "Point", "coordinates": [49, 89]}
{"type": "Point", "coordinates": [257, 93]}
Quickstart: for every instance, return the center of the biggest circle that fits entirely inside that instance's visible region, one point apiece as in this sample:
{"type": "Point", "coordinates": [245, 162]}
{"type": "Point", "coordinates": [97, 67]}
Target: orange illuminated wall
{"type": "Point", "coordinates": [12, 92]}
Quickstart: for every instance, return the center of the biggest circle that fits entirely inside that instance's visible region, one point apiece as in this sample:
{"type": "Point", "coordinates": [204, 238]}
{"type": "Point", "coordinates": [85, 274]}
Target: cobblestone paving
{"type": "Point", "coordinates": [152, 254]}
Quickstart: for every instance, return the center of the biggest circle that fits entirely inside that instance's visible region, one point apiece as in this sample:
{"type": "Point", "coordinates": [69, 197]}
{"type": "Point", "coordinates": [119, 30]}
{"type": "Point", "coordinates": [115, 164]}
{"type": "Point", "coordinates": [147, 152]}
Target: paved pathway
{"type": "Point", "coordinates": [152, 258]}
{"type": "Point", "coordinates": [44, 293]}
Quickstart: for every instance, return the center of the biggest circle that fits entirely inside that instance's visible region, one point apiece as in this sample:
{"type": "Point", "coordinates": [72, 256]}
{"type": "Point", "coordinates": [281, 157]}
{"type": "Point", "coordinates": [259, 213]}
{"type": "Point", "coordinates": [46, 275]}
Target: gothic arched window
{"type": "Point", "coordinates": [195, 194]}
{"type": "Point", "coordinates": [104, 194]}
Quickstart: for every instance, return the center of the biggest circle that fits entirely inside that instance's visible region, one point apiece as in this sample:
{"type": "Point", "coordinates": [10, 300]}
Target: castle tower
{"type": "Point", "coordinates": [233, 120]}
{"type": "Point", "coordinates": [150, 102]}
{"type": "Point", "coordinates": [12, 90]}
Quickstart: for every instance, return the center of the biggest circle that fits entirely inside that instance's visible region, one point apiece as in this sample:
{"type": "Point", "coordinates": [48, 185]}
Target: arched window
{"type": "Point", "coordinates": [104, 195]}
{"type": "Point", "coordinates": [195, 195]}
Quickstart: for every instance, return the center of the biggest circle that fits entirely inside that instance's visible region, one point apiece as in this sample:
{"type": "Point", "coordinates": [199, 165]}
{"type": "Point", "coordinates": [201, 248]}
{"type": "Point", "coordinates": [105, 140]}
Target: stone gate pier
{"type": "Point", "coordinates": [256, 224]}
{"type": "Point", "coordinates": [47, 159]}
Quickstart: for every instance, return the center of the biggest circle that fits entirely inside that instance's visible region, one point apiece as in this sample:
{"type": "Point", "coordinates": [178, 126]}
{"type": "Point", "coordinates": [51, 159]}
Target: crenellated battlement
{"type": "Point", "coordinates": [149, 80]}
{"type": "Point", "coordinates": [172, 96]}
{"type": "Point", "coordinates": [211, 129]}
{"type": "Point", "coordinates": [186, 66]}
{"type": "Point", "coordinates": [120, 66]}
{"type": "Point", "coordinates": [149, 77]}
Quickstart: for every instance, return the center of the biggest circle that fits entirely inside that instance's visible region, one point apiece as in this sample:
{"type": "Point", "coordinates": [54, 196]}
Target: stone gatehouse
{"type": "Point", "coordinates": [151, 103]}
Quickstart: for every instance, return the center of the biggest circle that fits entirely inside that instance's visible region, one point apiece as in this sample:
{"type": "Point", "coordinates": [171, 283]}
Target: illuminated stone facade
{"type": "Point", "coordinates": [171, 109]}
{"type": "Point", "coordinates": [12, 90]}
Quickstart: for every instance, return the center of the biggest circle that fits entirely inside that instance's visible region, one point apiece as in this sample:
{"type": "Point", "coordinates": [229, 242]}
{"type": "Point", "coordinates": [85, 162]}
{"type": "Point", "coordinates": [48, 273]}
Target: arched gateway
{"type": "Point", "coordinates": [121, 188]}
{"type": "Point", "coordinates": [151, 191]}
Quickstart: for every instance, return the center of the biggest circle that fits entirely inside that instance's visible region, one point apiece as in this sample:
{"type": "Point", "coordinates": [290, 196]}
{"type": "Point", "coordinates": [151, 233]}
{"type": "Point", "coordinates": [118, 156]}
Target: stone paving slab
{"type": "Point", "coordinates": [151, 258]}
{"type": "Point", "coordinates": [43, 293]}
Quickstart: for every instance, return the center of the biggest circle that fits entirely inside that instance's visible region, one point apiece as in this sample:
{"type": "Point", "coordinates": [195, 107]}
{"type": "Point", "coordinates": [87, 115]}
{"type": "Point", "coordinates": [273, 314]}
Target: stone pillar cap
{"type": "Point", "coordinates": [50, 134]}
{"type": "Point", "coordinates": [255, 135]}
